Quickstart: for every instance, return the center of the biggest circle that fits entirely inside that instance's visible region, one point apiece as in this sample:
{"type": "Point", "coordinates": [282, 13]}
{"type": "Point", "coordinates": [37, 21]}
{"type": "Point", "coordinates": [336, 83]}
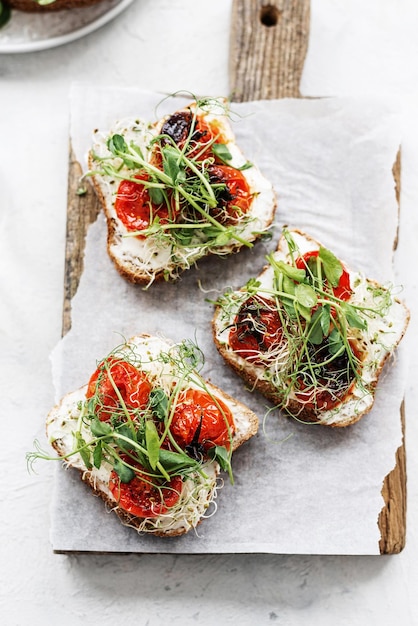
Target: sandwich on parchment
{"type": "Point", "coordinates": [309, 333]}
{"type": "Point", "coordinates": [150, 435]}
{"type": "Point", "coordinates": [176, 191]}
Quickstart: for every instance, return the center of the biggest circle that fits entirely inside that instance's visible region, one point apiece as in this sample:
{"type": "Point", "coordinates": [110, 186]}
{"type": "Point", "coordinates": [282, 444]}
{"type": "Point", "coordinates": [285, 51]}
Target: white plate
{"type": "Point", "coordinates": [29, 32]}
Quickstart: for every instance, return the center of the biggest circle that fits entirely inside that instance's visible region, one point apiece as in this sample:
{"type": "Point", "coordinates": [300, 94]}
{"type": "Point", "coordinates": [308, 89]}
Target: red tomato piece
{"type": "Point", "coordinates": [142, 497]}
{"type": "Point", "coordinates": [134, 207]}
{"type": "Point", "coordinates": [235, 198]}
{"type": "Point", "coordinates": [131, 383]}
{"type": "Point", "coordinates": [257, 328]}
{"type": "Point", "coordinates": [343, 289]}
{"type": "Point", "coordinates": [198, 410]}
{"type": "Point", "coordinates": [202, 139]}
{"type": "Point", "coordinates": [335, 379]}
{"type": "Point", "coordinates": [185, 128]}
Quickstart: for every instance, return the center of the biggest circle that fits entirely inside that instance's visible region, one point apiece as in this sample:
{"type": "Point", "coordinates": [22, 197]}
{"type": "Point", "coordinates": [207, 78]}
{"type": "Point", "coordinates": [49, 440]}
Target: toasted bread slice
{"type": "Point", "coordinates": [74, 427]}
{"type": "Point", "coordinates": [315, 349]}
{"type": "Point", "coordinates": [214, 201]}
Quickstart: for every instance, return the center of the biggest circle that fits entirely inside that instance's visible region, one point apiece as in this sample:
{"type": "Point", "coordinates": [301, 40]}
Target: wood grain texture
{"type": "Point", "coordinates": [82, 209]}
{"type": "Point", "coordinates": [269, 41]}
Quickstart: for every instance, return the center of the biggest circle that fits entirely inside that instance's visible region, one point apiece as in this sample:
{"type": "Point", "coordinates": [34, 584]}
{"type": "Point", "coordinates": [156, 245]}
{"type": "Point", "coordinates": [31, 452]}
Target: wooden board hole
{"type": "Point", "coordinates": [269, 15]}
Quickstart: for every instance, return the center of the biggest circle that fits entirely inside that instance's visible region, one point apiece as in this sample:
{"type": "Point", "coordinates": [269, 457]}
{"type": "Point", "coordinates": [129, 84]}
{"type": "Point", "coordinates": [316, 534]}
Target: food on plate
{"type": "Point", "coordinates": [150, 435]}
{"type": "Point", "coordinates": [309, 333]}
{"type": "Point", "coordinates": [177, 190]}
{"type": "Point", "coordinates": [37, 6]}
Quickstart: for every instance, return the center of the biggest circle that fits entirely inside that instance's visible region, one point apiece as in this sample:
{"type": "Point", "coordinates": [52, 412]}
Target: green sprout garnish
{"type": "Point", "coordinates": [318, 353]}
{"type": "Point", "coordinates": [131, 435]}
{"type": "Point", "coordinates": [199, 213]}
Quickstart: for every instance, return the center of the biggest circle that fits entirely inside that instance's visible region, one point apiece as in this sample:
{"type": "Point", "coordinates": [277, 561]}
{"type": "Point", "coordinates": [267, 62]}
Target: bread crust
{"type": "Point", "coordinates": [252, 374]}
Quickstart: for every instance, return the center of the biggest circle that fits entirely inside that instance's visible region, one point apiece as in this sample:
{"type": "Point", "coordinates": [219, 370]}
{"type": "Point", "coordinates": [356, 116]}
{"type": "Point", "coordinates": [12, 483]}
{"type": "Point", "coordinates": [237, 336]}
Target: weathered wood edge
{"type": "Point", "coordinates": [268, 45]}
{"type": "Point", "coordinates": [82, 209]}
{"type": "Point", "coordinates": [392, 518]}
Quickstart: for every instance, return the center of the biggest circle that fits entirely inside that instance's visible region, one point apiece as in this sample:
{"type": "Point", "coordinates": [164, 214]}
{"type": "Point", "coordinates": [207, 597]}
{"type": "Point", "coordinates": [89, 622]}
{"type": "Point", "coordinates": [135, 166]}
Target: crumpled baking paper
{"type": "Point", "coordinates": [299, 489]}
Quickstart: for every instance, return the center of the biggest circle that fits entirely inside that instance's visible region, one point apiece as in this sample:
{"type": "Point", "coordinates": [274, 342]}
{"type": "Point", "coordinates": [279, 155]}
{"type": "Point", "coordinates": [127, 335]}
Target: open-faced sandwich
{"type": "Point", "coordinates": [176, 191]}
{"type": "Point", "coordinates": [309, 333]}
{"type": "Point", "coordinates": [150, 435]}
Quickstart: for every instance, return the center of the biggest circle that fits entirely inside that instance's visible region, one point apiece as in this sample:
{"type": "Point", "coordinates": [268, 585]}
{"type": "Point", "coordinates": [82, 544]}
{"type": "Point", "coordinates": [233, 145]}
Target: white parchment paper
{"type": "Point", "coordinates": [299, 489]}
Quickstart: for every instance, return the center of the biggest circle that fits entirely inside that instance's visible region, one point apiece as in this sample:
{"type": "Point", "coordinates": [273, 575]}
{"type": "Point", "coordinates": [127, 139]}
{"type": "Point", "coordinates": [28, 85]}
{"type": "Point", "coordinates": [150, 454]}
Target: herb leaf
{"type": "Point", "coordinates": [117, 144]}
{"type": "Point", "coordinates": [158, 403]}
{"type": "Point", "coordinates": [292, 272]}
{"type": "Point", "coordinates": [332, 266]}
{"type": "Point", "coordinates": [171, 164]}
{"type": "Point", "coordinates": [152, 442]}
{"type": "Point", "coordinates": [306, 296]}
{"type": "Point", "coordinates": [98, 455]}
{"type": "Point", "coordinates": [353, 318]}
{"type": "Point", "coordinates": [125, 473]}
{"type": "Point", "coordinates": [316, 333]}
{"type": "Point", "coordinates": [175, 461]}
{"type": "Point", "coordinates": [83, 450]}
{"type": "Point", "coordinates": [100, 429]}
{"type": "Point", "coordinates": [335, 342]}
{"type": "Point", "coordinates": [221, 455]}
{"type": "Point", "coordinates": [222, 152]}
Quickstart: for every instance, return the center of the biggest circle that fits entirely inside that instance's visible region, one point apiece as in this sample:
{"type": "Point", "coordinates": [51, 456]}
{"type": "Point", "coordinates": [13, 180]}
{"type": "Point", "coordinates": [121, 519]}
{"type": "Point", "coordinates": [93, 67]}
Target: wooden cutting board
{"type": "Point", "coordinates": [269, 40]}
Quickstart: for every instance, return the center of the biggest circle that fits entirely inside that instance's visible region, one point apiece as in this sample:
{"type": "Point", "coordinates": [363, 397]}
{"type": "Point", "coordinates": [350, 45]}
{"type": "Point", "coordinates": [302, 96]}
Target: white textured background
{"type": "Point", "coordinates": [360, 47]}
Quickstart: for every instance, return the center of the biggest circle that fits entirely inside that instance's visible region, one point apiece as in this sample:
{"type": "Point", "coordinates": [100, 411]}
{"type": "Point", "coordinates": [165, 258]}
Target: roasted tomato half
{"type": "Point", "coordinates": [328, 379]}
{"type": "Point", "coordinates": [192, 132]}
{"type": "Point", "coordinates": [232, 193]}
{"type": "Point", "coordinates": [114, 377]}
{"type": "Point", "coordinates": [342, 290]}
{"type": "Point", "coordinates": [257, 328]}
{"type": "Point", "coordinates": [201, 421]}
{"type": "Point", "coordinates": [143, 497]}
{"type": "Point", "coordinates": [134, 207]}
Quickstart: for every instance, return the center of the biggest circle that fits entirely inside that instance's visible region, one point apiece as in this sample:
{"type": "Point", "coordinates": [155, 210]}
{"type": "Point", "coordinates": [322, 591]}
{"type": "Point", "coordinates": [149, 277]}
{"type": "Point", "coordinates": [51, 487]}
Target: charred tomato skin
{"type": "Point", "coordinates": [233, 194]}
{"type": "Point", "coordinates": [257, 328]}
{"type": "Point", "coordinates": [199, 419]}
{"type": "Point", "coordinates": [335, 377]}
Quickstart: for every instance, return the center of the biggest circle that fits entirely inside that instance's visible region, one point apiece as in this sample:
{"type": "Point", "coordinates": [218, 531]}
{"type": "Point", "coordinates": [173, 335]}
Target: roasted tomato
{"type": "Point", "coordinates": [328, 379]}
{"type": "Point", "coordinates": [200, 421]}
{"type": "Point", "coordinates": [342, 290]}
{"type": "Point", "coordinates": [117, 376]}
{"type": "Point", "coordinates": [143, 497]}
{"type": "Point", "coordinates": [257, 328]}
{"type": "Point", "coordinates": [184, 128]}
{"type": "Point", "coordinates": [232, 193]}
{"type": "Point", "coordinates": [134, 207]}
